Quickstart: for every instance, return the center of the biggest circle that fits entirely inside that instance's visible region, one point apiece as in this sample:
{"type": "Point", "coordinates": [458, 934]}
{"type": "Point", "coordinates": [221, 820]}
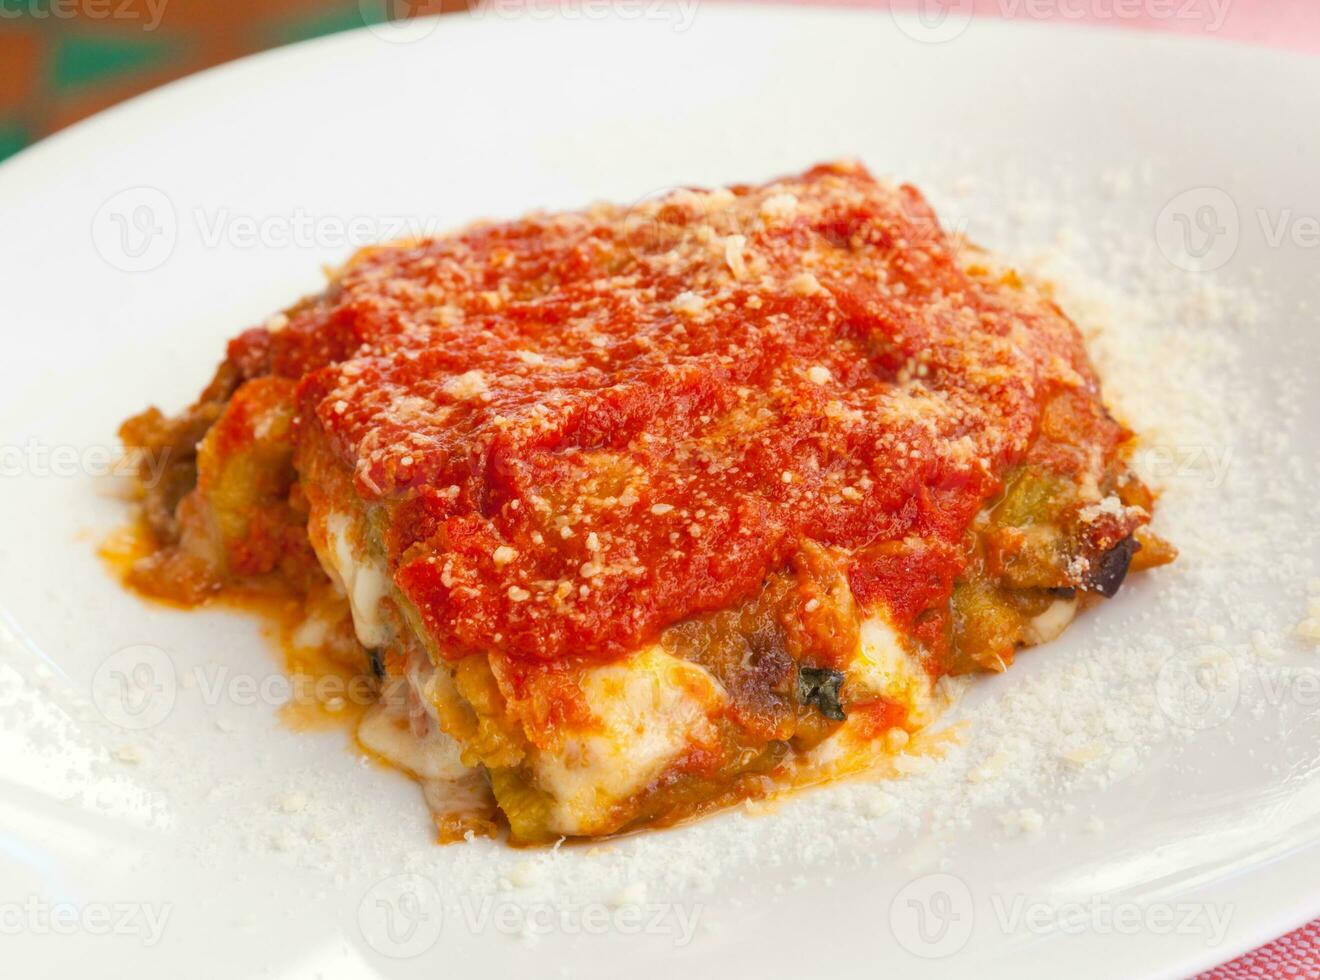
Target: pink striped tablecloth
{"type": "Point", "coordinates": [1290, 24]}
{"type": "Point", "coordinates": [1296, 955]}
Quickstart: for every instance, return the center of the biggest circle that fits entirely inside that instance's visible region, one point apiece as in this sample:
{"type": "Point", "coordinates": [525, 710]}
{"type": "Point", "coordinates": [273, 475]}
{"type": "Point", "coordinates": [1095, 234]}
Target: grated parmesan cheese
{"type": "Point", "coordinates": [805, 284]}
{"type": "Point", "coordinates": [467, 385]}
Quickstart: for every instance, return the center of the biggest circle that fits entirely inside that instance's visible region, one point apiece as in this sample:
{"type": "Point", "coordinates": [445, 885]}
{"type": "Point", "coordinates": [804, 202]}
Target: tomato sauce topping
{"type": "Point", "coordinates": [586, 427]}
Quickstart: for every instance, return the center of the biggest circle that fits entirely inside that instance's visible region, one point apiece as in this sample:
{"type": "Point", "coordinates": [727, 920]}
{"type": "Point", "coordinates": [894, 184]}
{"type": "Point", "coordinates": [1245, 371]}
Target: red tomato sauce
{"type": "Point", "coordinates": [583, 428]}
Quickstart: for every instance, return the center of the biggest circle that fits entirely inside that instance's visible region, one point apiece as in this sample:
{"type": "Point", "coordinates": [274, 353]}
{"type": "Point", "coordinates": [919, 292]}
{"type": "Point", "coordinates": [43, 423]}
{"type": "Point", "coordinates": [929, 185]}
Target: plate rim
{"type": "Point", "coordinates": [90, 131]}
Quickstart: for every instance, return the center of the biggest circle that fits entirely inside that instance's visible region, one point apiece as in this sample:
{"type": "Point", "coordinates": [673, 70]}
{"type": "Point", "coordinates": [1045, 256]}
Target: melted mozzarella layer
{"type": "Point", "coordinates": [649, 707]}
{"type": "Point", "coordinates": [387, 730]}
{"type": "Point", "coordinates": [363, 580]}
{"type": "Point", "coordinates": [884, 668]}
{"type": "Point", "coordinates": [1052, 621]}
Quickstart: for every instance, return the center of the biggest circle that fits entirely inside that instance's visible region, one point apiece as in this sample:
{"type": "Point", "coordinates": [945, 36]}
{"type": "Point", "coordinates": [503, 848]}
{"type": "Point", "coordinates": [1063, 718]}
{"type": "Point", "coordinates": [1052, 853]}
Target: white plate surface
{"type": "Point", "coordinates": [209, 840]}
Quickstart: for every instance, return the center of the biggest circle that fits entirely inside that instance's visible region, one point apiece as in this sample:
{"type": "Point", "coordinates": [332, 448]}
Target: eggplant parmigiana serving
{"type": "Point", "coordinates": [637, 512]}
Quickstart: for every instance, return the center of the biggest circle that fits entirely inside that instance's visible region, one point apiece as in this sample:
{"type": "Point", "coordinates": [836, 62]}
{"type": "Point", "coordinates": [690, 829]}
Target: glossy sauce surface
{"type": "Point", "coordinates": [584, 428]}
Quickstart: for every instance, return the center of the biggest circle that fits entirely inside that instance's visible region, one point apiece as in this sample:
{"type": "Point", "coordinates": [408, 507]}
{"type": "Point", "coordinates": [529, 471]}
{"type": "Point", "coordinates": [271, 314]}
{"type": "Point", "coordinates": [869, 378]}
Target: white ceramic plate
{"type": "Point", "coordinates": [193, 834]}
